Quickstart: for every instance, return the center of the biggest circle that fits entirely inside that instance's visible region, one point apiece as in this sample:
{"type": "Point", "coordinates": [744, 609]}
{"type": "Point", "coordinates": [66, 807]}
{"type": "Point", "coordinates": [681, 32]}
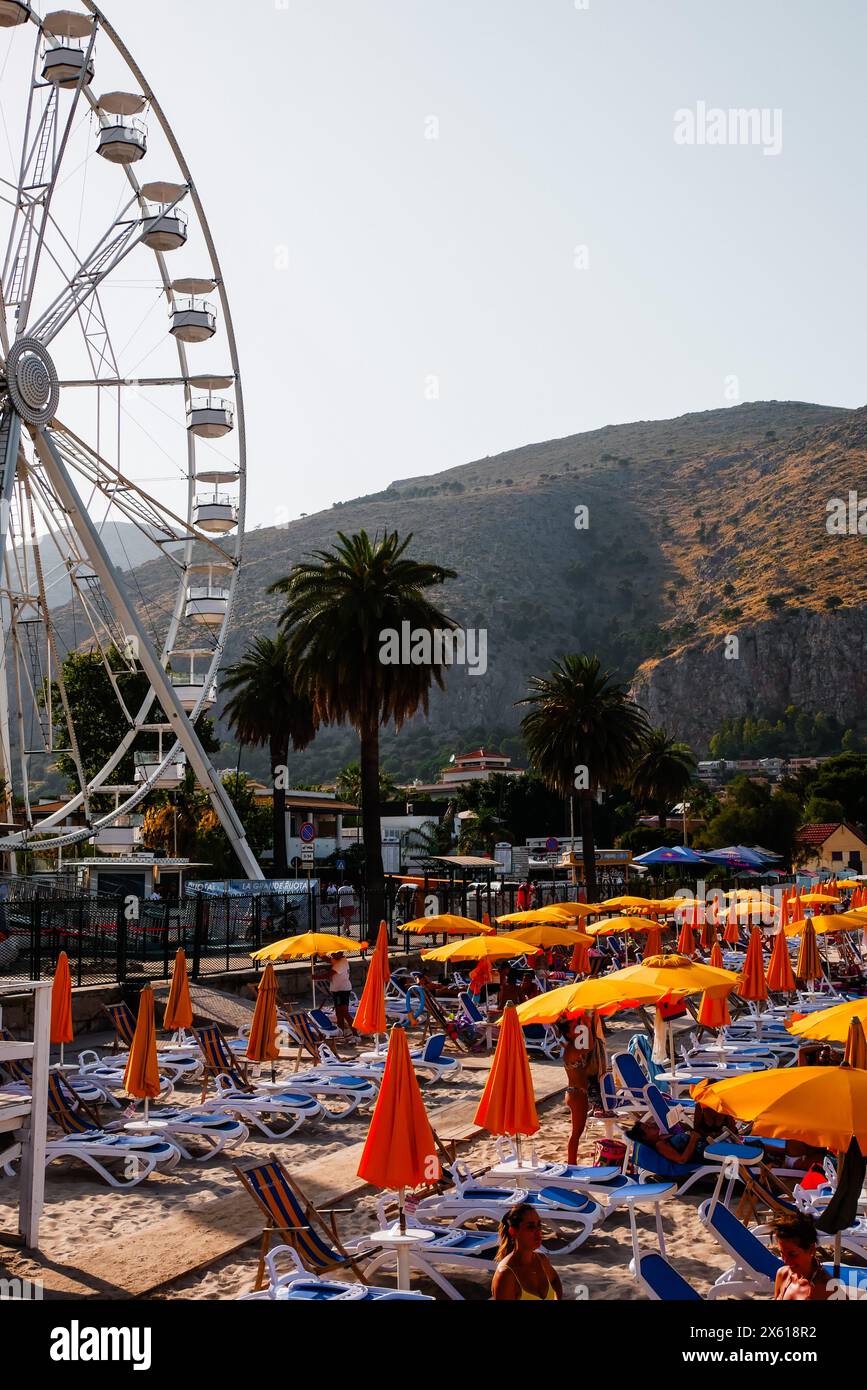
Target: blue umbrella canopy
{"type": "Point", "coordinates": [670, 854]}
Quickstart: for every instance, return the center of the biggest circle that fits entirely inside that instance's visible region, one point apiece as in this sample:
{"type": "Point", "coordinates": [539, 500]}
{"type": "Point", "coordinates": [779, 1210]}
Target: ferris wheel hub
{"type": "Point", "coordinates": [31, 379]}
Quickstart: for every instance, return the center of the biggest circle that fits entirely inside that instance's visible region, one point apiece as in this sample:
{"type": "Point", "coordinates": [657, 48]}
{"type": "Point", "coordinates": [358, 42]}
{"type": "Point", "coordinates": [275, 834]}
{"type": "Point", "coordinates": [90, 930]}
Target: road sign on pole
{"type": "Point", "coordinates": [307, 854]}
{"type": "Point", "coordinates": [307, 833]}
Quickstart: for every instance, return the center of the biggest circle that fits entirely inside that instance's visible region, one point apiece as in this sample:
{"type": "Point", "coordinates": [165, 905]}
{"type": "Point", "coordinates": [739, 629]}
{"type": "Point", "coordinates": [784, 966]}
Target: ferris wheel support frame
{"type": "Point", "coordinates": [162, 687]}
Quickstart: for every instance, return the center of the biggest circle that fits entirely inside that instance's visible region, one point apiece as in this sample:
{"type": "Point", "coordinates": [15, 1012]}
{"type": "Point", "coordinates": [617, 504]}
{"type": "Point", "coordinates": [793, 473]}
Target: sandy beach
{"type": "Point", "coordinates": [87, 1224]}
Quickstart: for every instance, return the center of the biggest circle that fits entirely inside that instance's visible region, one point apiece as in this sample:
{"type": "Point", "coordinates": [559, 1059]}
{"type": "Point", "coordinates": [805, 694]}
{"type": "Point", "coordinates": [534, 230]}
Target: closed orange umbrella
{"type": "Point", "coordinates": [781, 977]}
{"type": "Point", "coordinates": [809, 966]}
{"type": "Point", "coordinates": [653, 942]}
{"type": "Point", "coordinates": [856, 1045]}
{"type": "Point", "coordinates": [400, 1150]}
{"type": "Point", "coordinates": [732, 934]}
{"type": "Point", "coordinates": [580, 962]}
{"type": "Point", "coordinates": [708, 934]}
{"type": "Point", "coordinates": [508, 1104]}
{"type": "Point", "coordinates": [753, 984]}
{"type": "Point", "coordinates": [796, 913]}
{"type": "Point", "coordinates": [371, 1017]}
{"type": "Point", "coordinates": [262, 1042]}
{"type": "Point", "coordinates": [714, 1012]}
{"type": "Point", "coordinates": [61, 1003]}
{"type": "Point", "coordinates": [179, 1009]}
{"type": "Point", "coordinates": [686, 940]}
{"type": "Point", "coordinates": [141, 1078]}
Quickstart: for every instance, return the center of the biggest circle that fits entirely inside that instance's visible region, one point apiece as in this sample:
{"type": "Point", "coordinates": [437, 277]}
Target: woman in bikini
{"type": "Point", "coordinates": [802, 1278]}
{"type": "Point", "coordinates": [577, 1061]}
{"type": "Point", "coordinates": [523, 1274]}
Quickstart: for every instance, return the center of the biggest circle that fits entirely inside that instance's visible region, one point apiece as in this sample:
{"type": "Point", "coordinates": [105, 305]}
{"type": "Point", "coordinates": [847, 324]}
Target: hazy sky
{"type": "Point", "coordinates": [415, 265]}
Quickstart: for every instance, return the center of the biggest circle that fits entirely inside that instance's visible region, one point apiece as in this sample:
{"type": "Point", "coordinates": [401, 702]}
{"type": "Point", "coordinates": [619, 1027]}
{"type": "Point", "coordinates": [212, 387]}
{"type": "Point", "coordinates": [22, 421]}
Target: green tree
{"type": "Point", "coordinates": [339, 604]}
{"type": "Point", "coordinates": [481, 831]}
{"type": "Point", "coordinates": [212, 844]}
{"type": "Point", "coordinates": [662, 772]}
{"type": "Point", "coordinates": [583, 734]}
{"type": "Point", "coordinates": [265, 709]}
{"type": "Point", "coordinates": [754, 814]}
{"type": "Point", "coordinates": [98, 717]}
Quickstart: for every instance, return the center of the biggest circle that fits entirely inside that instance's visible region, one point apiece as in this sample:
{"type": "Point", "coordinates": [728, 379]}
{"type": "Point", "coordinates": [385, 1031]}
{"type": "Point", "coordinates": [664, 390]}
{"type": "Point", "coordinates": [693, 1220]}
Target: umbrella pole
{"type": "Point", "coordinates": [518, 1149]}
{"type": "Point", "coordinates": [838, 1241]}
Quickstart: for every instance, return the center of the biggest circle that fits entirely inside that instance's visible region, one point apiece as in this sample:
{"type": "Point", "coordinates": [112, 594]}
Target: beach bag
{"type": "Point", "coordinates": [608, 1153]}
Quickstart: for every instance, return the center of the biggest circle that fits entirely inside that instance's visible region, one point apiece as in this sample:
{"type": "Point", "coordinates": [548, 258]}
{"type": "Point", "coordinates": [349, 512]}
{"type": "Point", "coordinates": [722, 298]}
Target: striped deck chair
{"type": "Point", "coordinates": [303, 1031]}
{"type": "Point", "coordinates": [67, 1110]}
{"type": "Point", "coordinates": [123, 1022]}
{"type": "Point", "coordinates": [293, 1217]}
{"type": "Point", "coordinates": [436, 1015]}
{"type": "Point", "coordinates": [218, 1056]}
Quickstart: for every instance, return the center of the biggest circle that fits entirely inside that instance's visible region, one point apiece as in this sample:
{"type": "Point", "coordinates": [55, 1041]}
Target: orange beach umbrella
{"type": "Point", "coordinates": [753, 984]}
{"type": "Point", "coordinates": [400, 1150]}
{"type": "Point", "coordinates": [179, 1008]}
{"type": "Point", "coordinates": [370, 1017]}
{"type": "Point", "coordinates": [713, 1010]}
{"type": "Point", "coordinates": [809, 966]}
{"type": "Point", "coordinates": [141, 1079]}
{"type": "Point", "coordinates": [508, 1103]}
{"type": "Point", "coordinates": [61, 1002]}
{"type": "Point", "coordinates": [781, 976]}
{"type": "Point", "coordinates": [262, 1042]}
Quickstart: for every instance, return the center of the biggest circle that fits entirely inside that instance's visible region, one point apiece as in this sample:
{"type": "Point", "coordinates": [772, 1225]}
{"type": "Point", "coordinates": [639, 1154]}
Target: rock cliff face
{"type": "Point", "coordinates": [695, 528]}
{"type": "Point", "coordinates": [816, 661]}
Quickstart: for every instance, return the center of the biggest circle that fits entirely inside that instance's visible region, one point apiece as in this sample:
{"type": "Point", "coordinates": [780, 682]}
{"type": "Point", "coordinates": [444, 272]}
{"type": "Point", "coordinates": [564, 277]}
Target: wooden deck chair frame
{"type": "Point", "coordinates": [316, 1222]}
{"type": "Point", "coordinates": [236, 1063]}
{"type": "Point", "coordinates": [118, 1040]}
{"type": "Point", "coordinates": [769, 1191]}
{"type": "Point", "coordinates": [305, 1041]}
{"type": "Point", "coordinates": [74, 1104]}
{"type": "Point", "coordinates": [434, 1012]}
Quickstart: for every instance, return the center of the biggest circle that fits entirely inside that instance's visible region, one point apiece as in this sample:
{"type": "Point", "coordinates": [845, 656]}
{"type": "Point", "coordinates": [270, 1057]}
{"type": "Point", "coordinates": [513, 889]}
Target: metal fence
{"type": "Point", "coordinates": [125, 940]}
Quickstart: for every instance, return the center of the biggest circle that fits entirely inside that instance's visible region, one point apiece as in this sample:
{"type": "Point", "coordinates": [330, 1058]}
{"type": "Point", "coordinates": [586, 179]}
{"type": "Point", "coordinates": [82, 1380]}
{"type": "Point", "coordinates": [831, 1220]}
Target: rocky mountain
{"type": "Point", "coordinates": [696, 530]}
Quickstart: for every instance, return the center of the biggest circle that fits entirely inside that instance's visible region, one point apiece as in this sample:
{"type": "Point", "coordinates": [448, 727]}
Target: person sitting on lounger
{"type": "Point", "coordinates": [523, 1273]}
{"type": "Point", "coordinates": [802, 1278]}
{"type": "Point", "coordinates": [681, 1145]}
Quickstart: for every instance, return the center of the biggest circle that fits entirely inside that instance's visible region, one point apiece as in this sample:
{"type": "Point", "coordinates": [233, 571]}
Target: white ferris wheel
{"type": "Point", "coordinates": [120, 408]}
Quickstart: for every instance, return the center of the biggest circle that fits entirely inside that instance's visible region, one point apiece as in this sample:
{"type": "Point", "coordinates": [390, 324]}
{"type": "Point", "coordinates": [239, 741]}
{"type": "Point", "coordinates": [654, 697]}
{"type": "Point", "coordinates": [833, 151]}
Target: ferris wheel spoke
{"type": "Point", "coordinates": [54, 466]}
{"type": "Point", "coordinates": [44, 146]}
{"type": "Point", "coordinates": [139, 506]}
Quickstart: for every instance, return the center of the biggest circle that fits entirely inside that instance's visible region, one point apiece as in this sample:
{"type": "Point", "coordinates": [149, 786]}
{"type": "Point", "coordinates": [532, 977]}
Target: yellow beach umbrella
{"type": "Point", "coordinates": [482, 948]}
{"type": "Point", "coordinates": [819, 899]}
{"type": "Point", "coordinates": [545, 936]}
{"type": "Point", "coordinates": [676, 975]}
{"type": "Point", "coordinates": [179, 1008]}
{"type": "Point", "coordinates": [556, 914]}
{"type": "Point", "coordinates": [618, 926]}
{"type": "Point", "coordinates": [508, 1104]}
{"type": "Point", "coordinates": [829, 922]}
{"type": "Point", "coordinates": [809, 966]}
{"type": "Point", "coordinates": [603, 995]}
{"type": "Point", "coordinates": [625, 900]}
{"type": "Point", "coordinates": [823, 1106]}
{"type": "Point", "coordinates": [262, 1042]}
{"type": "Point", "coordinates": [447, 924]}
{"type": "Point", "coordinates": [830, 1025]}
{"type": "Point", "coordinates": [856, 1046]}
{"type": "Point", "coordinates": [306, 947]}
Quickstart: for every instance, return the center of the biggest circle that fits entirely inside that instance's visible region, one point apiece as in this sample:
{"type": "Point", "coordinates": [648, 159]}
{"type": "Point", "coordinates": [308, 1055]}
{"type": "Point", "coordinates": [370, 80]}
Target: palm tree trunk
{"type": "Point", "coordinates": [588, 844]}
{"type": "Point", "coordinates": [374, 878]}
{"type": "Point", "coordinates": [279, 748]}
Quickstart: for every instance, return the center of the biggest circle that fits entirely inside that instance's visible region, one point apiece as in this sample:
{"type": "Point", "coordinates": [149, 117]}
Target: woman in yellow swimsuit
{"type": "Point", "coordinates": [523, 1273]}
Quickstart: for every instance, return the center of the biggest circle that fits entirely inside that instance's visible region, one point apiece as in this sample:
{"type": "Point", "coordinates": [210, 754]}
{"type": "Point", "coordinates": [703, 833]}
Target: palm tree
{"type": "Point", "coordinates": [481, 830]}
{"type": "Point", "coordinates": [268, 708]}
{"type": "Point", "coordinates": [340, 604]}
{"type": "Point", "coordinates": [582, 734]}
{"type": "Point", "coordinates": [348, 785]}
{"type": "Point", "coordinates": [662, 772]}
